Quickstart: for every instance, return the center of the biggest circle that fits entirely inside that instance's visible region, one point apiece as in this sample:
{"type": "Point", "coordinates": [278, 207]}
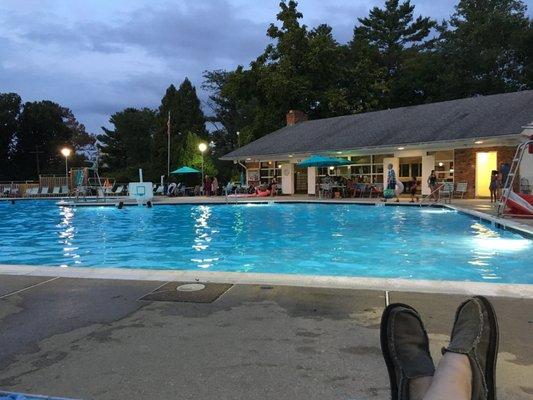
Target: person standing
{"type": "Point", "coordinates": [207, 185]}
{"type": "Point", "coordinates": [432, 183]}
{"type": "Point", "coordinates": [414, 184]}
{"type": "Point", "coordinates": [214, 186]}
{"type": "Point", "coordinates": [391, 181]}
{"type": "Point", "coordinates": [494, 186]}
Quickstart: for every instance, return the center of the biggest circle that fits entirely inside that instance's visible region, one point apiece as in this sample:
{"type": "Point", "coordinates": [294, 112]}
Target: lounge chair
{"type": "Point", "coordinates": [33, 191]}
{"type": "Point", "coordinates": [446, 191]}
{"type": "Point", "coordinates": [55, 190]}
{"type": "Point", "coordinates": [44, 191]}
{"type": "Point", "coordinates": [28, 192]}
{"type": "Point", "coordinates": [64, 190]}
{"type": "Point", "coordinates": [160, 190]}
{"type": "Point", "coordinates": [460, 189]}
{"type": "Point", "coordinates": [119, 190]}
{"type": "Point", "coordinates": [14, 192]}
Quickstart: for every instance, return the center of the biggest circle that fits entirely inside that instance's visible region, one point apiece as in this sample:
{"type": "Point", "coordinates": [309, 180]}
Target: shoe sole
{"type": "Point", "coordinates": [490, 369]}
{"type": "Point", "coordinates": [384, 339]}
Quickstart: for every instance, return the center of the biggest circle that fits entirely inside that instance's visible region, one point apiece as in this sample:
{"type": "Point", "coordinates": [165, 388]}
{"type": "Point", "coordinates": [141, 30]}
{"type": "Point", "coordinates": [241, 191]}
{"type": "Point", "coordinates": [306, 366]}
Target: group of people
{"type": "Point", "coordinates": [211, 186]}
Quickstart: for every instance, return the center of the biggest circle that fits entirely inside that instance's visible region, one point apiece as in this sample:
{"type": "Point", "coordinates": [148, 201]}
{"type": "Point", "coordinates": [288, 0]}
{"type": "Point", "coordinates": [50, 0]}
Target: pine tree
{"type": "Point", "coordinates": [397, 36]}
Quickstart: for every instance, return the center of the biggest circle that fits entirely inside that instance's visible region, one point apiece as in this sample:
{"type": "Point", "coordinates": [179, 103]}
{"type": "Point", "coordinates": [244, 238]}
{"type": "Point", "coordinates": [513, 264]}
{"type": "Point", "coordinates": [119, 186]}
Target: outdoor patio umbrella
{"type": "Point", "coordinates": [185, 170]}
{"type": "Point", "coordinates": [323, 161]}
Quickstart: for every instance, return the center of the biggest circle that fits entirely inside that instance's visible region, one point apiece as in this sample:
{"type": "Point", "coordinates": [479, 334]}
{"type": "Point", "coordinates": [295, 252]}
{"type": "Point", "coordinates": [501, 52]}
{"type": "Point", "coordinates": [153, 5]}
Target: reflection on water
{"type": "Point", "coordinates": [67, 234]}
{"type": "Point", "coordinates": [202, 237]}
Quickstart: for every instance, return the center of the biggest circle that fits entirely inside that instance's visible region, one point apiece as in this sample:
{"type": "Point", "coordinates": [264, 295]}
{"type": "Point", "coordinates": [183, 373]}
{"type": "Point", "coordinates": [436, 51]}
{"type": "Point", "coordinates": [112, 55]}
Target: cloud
{"type": "Point", "coordinates": [98, 57]}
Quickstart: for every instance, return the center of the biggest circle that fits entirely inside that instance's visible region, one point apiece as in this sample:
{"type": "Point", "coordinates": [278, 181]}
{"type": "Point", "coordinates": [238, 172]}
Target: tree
{"type": "Point", "coordinates": [483, 47]}
{"type": "Point", "coordinates": [128, 146]}
{"type": "Point", "coordinates": [397, 36]}
{"type": "Point", "coordinates": [10, 104]}
{"type": "Point", "coordinates": [186, 116]}
{"type": "Point", "coordinates": [42, 129]}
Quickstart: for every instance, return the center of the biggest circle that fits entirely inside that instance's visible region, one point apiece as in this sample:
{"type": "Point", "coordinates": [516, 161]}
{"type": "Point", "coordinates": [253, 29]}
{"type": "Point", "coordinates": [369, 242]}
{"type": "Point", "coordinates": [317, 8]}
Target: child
{"type": "Point", "coordinates": [414, 184]}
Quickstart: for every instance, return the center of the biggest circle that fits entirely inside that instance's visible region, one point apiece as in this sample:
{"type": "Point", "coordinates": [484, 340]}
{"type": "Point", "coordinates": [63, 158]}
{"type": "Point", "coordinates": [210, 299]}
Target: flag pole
{"type": "Point", "coordinates": [168, 146]}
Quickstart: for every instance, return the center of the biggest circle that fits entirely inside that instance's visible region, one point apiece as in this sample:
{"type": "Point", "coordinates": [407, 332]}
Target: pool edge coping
{"type": "Point", "coordinates": [249, 278]}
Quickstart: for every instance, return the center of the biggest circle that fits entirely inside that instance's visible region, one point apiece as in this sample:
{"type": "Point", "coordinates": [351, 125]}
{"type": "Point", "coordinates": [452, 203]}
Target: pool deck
{"type": "Point", "coordinates": [94, 339]}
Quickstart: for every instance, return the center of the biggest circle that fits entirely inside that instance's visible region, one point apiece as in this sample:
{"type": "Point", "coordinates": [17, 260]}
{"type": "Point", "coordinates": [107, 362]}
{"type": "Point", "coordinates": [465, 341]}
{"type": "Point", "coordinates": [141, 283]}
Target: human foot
{"type": "Point", "coordinates": [405, 347]}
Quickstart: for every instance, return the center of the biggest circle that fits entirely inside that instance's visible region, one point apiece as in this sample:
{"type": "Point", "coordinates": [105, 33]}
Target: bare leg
{"type": "Point", "coordinates": [452, 380]}
{"type": "Point", "coordinates": [418, 387]}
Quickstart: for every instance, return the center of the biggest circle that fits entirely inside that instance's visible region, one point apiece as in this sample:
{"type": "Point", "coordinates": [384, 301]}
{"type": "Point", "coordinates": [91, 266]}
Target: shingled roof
{"type": "Point", "coordinates": [475, 117]}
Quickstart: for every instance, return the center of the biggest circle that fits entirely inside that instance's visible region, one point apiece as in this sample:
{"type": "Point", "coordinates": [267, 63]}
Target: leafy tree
{"type": "Point", "coordinates": [42, 129]}
{"type": "Point", "coordinates": [10, 104]}
{"type": "Point", "coordinates": [483, 48]}
{"type": "Point", "coordinates": [127, 147]}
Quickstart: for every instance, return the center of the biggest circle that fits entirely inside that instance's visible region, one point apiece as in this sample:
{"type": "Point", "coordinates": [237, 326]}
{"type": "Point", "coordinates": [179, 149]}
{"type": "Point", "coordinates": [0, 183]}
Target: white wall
{"type": "Point", "coordinates": [287, 178]}
{"type": "Point", "coordinates": [311, 180]}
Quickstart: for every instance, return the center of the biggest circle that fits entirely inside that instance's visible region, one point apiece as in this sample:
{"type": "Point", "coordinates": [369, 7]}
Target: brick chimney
{"type": "Point", "coordinates": [295, 116]}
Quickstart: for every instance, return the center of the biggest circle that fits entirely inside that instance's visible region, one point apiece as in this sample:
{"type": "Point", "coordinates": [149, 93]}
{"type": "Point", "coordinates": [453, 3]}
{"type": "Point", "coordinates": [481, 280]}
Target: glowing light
{"type": "Point", "coordinates": [202, 147]}
{"type": "Point", "coordinates": [441, 164]}
{"type": "Point", "coordinates": [331, 168]}
{"type": "Point", "coordinates": [401, 148]}
{"type": "Point", "coordinates": [65, 151]}
{"type": "Point", "coordinates": [478, 142]}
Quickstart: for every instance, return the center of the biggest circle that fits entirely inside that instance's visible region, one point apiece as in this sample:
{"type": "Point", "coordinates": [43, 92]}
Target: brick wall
{"type": "Point", "coordinates": [465, 164]}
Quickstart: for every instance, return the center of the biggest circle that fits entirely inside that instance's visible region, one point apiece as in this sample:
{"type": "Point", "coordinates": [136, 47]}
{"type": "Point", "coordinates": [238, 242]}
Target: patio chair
{"type": "Point", "coordinates": [55, 191]}
{"type": "Point", "coordinates": [5, 191]}
{"type": "Point", "coordinates": [28, 192]}
{"type": "Point", "coordinates": [119, 190]}
{"type": "Point", "coordinates": [31, 192]}
{"type": "Point", "coordinates": [446, 191]}
{"type": "Point", "coordinates": [44, 191]}
{"type": "Point", "coordinates": [14, 192]}
{"type": "Point", "coordinates": [64, 190]}
{"type": "Point", "coordinates": [460, 189]}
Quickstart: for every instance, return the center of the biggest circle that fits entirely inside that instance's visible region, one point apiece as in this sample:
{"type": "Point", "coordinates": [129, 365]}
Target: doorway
{"type": "Point", "coordinates": [486, 162]}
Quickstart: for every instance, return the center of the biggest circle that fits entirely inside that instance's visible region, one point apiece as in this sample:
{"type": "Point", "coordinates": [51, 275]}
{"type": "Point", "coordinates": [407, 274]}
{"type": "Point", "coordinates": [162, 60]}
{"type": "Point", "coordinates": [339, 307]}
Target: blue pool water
{"type": "Point", "coordinates": [310, 239]}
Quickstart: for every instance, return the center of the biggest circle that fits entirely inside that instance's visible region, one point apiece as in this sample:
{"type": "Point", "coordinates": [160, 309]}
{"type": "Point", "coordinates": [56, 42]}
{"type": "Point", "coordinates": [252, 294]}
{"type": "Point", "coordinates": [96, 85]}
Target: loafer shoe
{"type": "Point", "coordinates": [405, 347]}
{"type": "Point", "coordinates": [475, 334]}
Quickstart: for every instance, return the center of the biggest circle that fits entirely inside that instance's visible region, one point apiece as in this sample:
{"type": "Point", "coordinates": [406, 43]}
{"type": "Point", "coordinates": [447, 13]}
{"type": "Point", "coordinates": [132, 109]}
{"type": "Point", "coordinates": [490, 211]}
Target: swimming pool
{"type": "Point", "coordinates": [288, 238]}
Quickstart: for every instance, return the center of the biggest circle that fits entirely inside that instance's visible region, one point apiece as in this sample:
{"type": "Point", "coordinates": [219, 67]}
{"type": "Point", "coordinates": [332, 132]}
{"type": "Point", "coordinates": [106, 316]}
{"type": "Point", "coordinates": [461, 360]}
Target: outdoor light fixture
{"type": "Point", "coordinates": [401, 148]}
{"type": "Point", "coordinates": [331, 168]}
{"type": "Point", "coordinates": [202, 147]}
{"type": "Point", "coordinates": [66, 152]}
{"type": "Point", "coordinates": [441, 164]}
{"type": "Point", "coordinates": [290, 156]}
{"type": "Point", "coordinates": [478, 142]}
{"type": "Point", "coordinates": [248, 159]}
{"type": "Point", "coordinates": [451, 170]}
{"type": "Point", "coordinates": [339, 152]}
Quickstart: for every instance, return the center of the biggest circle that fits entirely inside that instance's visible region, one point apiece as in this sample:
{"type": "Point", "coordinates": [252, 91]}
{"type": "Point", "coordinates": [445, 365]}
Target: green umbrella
{"type": "Point", "coordinates": [323, 161]}
{"type": "Point", "coordinates": [185, 170]}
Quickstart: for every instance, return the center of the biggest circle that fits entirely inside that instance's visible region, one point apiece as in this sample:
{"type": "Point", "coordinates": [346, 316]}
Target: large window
{"type": "Point", "coordinates": [269, 170]}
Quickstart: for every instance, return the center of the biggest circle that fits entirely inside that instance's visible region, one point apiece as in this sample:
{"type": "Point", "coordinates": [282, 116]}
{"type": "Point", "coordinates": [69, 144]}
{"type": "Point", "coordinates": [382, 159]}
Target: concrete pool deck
{"type": "Point", "coordinates": [93, 339]}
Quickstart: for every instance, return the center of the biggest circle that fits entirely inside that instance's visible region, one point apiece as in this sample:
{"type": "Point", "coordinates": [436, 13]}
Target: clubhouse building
{"type": "Point", "coordinates": [462, 140]}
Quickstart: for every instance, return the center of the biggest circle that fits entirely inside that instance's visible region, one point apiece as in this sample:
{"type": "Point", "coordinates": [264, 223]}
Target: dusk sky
{"type": "Point", "coordinates": [100, 56]}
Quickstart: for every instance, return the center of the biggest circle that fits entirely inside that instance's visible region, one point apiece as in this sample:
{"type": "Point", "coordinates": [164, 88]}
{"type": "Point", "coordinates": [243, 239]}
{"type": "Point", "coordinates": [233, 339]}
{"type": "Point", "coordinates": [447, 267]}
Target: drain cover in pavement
{"type": "Point", "coordinates": [188, 292]}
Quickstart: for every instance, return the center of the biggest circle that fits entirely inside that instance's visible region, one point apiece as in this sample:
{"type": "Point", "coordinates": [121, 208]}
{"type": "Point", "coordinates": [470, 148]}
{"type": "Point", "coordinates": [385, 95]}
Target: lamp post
{"type": "Point", "coordinates": [66, 152]}
{"type": "Point", "coordinates": [202, 147]}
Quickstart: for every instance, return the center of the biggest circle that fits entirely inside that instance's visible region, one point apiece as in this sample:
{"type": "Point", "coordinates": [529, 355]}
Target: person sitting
{"type": "Point", "coordinates": [251, 188]}
{"type": "Point", "coordinates": [467, 369]}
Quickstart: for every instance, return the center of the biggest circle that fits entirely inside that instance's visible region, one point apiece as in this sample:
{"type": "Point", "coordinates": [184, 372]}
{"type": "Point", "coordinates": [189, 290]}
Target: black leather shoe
{"type": "Point", "coordinates": [475, 334]}
{"type": "Point", "coordinates": [405, 347]}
